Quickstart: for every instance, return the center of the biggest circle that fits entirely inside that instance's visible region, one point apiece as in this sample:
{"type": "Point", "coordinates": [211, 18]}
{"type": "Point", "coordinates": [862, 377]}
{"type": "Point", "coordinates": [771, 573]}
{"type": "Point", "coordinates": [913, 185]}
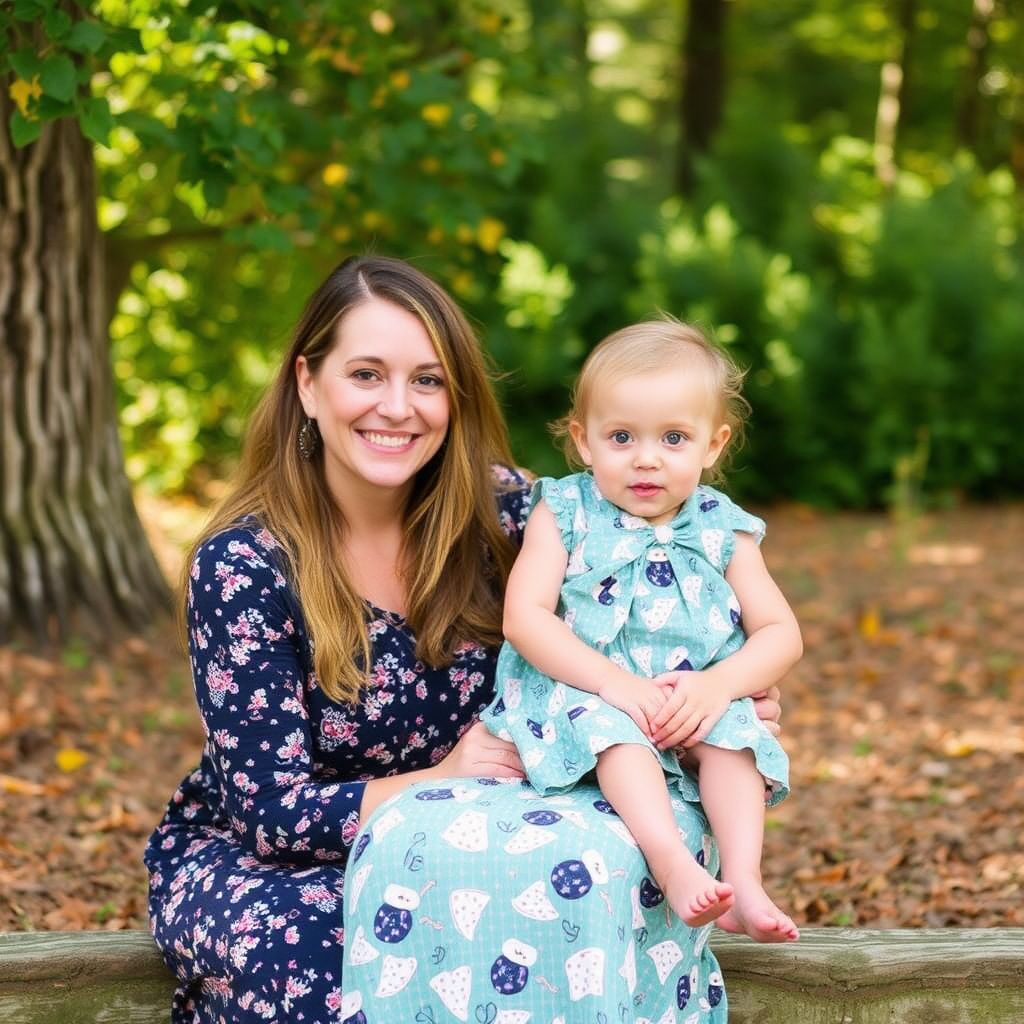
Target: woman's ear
{"type": "Point", "coordinates": [716, 445]}
{"type": "Point", "coordinates": [578, 434]}
{"type": "Point", "coordinates": [304, 385]}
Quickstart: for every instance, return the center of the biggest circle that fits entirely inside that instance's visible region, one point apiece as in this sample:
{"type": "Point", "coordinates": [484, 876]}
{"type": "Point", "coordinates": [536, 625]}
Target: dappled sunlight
{"type": "Point", "coordinates": [945, 554]}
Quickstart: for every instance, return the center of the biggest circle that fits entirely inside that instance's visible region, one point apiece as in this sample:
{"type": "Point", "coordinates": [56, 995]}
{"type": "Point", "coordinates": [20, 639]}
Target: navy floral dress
{"type": "Point", "coordinates": [247, 865]}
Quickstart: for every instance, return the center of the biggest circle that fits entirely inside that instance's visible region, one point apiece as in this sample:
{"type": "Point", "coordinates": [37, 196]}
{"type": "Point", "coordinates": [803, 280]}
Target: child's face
{"type": "Point", "coordinates": [648, 437]}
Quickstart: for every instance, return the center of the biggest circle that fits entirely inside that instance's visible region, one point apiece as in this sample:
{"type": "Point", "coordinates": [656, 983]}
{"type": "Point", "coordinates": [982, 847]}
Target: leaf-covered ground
{"type": "Point", "coordinates": [904, 722]}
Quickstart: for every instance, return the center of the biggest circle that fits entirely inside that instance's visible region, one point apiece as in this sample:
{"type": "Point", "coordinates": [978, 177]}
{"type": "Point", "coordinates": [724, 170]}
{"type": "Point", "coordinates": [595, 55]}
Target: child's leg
{"type": "Point", "coordinates": [633, 782]}
{"type": "Point", "coordinates": [732, 792]}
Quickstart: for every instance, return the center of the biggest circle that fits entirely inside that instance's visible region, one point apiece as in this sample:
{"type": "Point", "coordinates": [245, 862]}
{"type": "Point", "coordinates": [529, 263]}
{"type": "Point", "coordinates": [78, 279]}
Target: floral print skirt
{"type": "Point", "coordinates": [249, 942]}
{"type": "Point", "coordinates": [480, 901]}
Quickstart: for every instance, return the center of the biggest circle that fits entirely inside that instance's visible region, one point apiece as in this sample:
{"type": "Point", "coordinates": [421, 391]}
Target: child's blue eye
{"type": "Point", "coordinates": [621, 437]}
{"type": "Point", "coordinates": [674, 437]}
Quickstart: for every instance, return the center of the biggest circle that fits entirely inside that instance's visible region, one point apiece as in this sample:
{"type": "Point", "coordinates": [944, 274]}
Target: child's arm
{"type": "Point", "coordinates": [543, 639]}
{"type": "Point", "coordinates": [772, 647]}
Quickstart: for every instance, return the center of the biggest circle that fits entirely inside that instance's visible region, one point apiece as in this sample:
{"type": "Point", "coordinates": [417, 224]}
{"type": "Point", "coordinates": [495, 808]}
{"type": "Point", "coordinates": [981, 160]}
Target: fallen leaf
{"type": "Point", "coordinates": [69, 759]}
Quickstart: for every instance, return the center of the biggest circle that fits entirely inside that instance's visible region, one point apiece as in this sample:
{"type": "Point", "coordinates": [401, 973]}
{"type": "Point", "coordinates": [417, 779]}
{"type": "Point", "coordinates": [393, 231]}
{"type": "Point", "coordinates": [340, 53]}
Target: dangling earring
{"type": "Point", "coordinates": [309, 439]}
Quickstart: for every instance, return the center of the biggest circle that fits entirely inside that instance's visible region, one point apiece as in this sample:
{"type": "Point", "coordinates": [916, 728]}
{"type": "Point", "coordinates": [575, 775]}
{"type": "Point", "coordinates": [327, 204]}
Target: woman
{"type": "Point", "coordinates": [343, 613]}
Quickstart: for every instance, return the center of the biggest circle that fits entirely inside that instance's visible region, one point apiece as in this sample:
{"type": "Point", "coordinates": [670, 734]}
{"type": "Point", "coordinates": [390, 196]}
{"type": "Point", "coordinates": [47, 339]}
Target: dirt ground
{"type": "Point", "coordinates": [904, 724]}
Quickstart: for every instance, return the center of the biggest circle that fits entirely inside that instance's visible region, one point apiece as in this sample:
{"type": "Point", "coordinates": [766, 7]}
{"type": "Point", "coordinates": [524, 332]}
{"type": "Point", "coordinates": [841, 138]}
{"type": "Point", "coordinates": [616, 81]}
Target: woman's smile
{"type": "Point", "coordinates": [379, 439]}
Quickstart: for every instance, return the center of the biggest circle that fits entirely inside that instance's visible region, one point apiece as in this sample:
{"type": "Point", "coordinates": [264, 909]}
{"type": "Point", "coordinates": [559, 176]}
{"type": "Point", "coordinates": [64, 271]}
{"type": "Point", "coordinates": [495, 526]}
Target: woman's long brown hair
{"type": "Point", "coordinates": [457, 557]}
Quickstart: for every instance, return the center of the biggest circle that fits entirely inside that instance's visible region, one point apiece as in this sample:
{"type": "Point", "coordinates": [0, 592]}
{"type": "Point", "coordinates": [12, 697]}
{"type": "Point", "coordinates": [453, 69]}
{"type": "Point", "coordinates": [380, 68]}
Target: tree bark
{"type": "Point", "coordinates": [703, 97]}
{"type": "Point", "coordinates": [893, 96]}
{"type": "Point", "coordinates": [977, 54]}
{"type": "Point", "coordinates": [1017, 111]}
{"type": "Point", "coordinates": [72, 550]}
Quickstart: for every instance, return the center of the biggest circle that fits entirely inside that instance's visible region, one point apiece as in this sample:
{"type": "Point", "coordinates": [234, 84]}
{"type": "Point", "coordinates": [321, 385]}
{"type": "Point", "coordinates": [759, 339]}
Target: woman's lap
{"type": "Point", "coordinates": [474, 902]}
{"type": "Point", "coordinates": [248, 941]}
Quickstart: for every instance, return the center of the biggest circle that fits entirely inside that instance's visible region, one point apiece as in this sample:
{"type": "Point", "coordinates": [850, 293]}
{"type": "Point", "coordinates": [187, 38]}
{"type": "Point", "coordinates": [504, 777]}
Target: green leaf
{"type": "Point", "coordinates": [96, 120]}
{"type": "Point", "coordinates": [123, 40]}
{"type": "Point", "coordinates": [57, 23]}
{"type": "Point", "coordinates": [57, 77]}
{"type": "Point", "coordinates": [215, 188]}
{"type": "Point", "coordinates": [86, 37]}
{"type": "Point", "coordinates": [23, 131]}
{"type": "Point", "coordinates": [26, 63]}
{"type": "Point", "coordinates": [149, 130]}
{"type": "Point", "coordinates": [282, 199]}
{"type": "Point", "coordinates": [28, 10]}
{"type": "Point", "coordinates": [262, 237]}
{"type": "Point", "coordinates": [49, 109]}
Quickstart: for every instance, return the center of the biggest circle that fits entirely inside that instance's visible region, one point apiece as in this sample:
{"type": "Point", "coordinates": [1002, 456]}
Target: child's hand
{"type": "Point", "coordinates": [693, 707]}
{"type": "Point", "coordinates": [638, 697]}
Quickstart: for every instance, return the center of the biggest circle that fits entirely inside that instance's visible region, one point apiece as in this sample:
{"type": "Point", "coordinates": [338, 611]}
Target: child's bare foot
{"type": "Point", "coordinates": [754, 914]}
{"type": "Point", "coordinates": [692, 893]}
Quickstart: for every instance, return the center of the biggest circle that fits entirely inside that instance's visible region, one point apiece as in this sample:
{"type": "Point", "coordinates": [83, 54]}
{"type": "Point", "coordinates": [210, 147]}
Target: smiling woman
{"type": "Point", "coordinates": [342, 609]}
{"type": "Point", "coordinates": [380, 403]}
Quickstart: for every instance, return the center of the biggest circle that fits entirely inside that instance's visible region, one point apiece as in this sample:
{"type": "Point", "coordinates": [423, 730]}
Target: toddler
{"type": "Point", "coordinates": [624, 635]}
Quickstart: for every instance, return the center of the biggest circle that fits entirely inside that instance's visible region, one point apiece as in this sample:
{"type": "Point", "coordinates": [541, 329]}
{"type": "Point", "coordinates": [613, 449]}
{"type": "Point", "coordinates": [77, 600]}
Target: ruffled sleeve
{"type": "Point", "coordinates": [563, 498]}
{"type": "Point", "coordinates": [720, 516]}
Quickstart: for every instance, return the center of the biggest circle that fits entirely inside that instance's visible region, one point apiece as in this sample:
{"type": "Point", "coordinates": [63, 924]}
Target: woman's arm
{"type": "Point", "coordinates": [477, 753]}
{"type": "Point", "coordinates": [250, 682]}
{"type": "Point", "coordinates": [546, 641]}
{"type": "Point", "coordinates": [772, 647]}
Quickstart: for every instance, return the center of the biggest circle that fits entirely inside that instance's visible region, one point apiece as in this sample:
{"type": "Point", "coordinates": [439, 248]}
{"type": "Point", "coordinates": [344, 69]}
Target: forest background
{"type": "Point", "coordinates": [835, 188]}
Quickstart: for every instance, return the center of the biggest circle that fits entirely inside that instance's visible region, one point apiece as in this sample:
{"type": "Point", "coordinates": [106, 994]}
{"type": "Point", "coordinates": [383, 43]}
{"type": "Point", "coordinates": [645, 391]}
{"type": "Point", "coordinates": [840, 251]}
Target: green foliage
{"type": "Point", "coordinates": [524, 154]}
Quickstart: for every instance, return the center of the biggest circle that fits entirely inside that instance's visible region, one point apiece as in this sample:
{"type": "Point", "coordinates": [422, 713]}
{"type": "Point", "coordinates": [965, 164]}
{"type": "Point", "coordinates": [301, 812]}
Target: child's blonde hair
{"type": "Point", "coordinates": [648, 347]}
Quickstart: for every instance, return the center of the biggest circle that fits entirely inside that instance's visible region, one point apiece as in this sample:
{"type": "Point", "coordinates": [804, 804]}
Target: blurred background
{"type": "Point", "coordinates": [835, 188]}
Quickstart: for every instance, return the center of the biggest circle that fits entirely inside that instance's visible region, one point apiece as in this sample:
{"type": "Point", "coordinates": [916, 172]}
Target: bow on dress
{"type": "Point", "coordinates": [667, 581]}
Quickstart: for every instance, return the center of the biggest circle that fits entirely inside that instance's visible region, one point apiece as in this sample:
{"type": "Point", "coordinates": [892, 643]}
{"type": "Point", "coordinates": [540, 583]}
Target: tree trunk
{"type": "Point", "coordinates": [703, 98]}
{"type": "Point", "coordinates": [893, 96]}
{"type": "Point", "coordinates": [72, 550]}
{"type": "Point", "coordinates": [1017, 111]}
{"type": "Point", "coordinates": [977, 53]}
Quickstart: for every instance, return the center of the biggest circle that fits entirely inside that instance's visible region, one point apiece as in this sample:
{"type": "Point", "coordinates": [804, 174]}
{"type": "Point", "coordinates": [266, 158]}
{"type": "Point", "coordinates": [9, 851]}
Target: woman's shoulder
{"type": "Point", "coordinates": [512, 487]}
{"type": "Point", "coordinates": [247, 544]}
{"type": "Point", "coordinates": [510, 478]}
{"type": "Point", "coordinates": [248, 538]}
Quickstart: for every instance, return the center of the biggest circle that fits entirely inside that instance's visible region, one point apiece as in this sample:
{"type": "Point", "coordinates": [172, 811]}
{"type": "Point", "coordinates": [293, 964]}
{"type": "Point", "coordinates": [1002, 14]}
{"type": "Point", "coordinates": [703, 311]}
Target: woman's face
{"type": "Point", "coordinates": [380, 399]}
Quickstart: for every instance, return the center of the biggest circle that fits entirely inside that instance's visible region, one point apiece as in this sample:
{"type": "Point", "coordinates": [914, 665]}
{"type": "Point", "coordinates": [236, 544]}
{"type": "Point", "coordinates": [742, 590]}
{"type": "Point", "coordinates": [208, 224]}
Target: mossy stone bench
{"type": "Point", "coordinates": [831, 976]}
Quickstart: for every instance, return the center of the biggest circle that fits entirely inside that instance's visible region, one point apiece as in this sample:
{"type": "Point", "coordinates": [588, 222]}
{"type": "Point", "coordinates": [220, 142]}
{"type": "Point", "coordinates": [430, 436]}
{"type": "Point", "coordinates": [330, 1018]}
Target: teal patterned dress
{"type": "Point", "coordinates": [653, 599]}
{"type": "Point", "coordinates": [482, 901]}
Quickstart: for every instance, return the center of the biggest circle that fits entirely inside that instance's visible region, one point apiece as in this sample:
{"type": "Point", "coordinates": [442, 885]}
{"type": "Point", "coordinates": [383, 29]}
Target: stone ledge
{"type": "Point", "coordinates": [831, 976]}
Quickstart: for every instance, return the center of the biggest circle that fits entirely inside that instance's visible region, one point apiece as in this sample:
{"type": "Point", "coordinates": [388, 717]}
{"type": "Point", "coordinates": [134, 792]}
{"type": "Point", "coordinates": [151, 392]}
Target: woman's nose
{"type": "Point", "coordinates": [394, 403]}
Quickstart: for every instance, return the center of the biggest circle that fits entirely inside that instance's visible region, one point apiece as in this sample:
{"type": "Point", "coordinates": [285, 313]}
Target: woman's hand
{"type": "Point", "coordinates": [479, 753]}
{"type": "Point", "coordinates": [768, 705]}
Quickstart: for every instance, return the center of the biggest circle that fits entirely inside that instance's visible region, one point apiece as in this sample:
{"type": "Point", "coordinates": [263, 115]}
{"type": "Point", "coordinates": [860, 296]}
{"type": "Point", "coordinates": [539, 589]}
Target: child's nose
{"type": "Point", "coordinates": [647, 454]}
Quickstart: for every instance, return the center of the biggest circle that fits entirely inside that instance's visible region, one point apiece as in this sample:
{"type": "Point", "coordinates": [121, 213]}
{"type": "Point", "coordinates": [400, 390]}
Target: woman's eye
{"type": "Point", "coordinates": [620, 437]}
{"type": "Point", "coordinates": [365, 375]}
{"type": "Point", "coordinates": [674, 437]}
{"type": "Point", "coordinates": [429, 381]}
